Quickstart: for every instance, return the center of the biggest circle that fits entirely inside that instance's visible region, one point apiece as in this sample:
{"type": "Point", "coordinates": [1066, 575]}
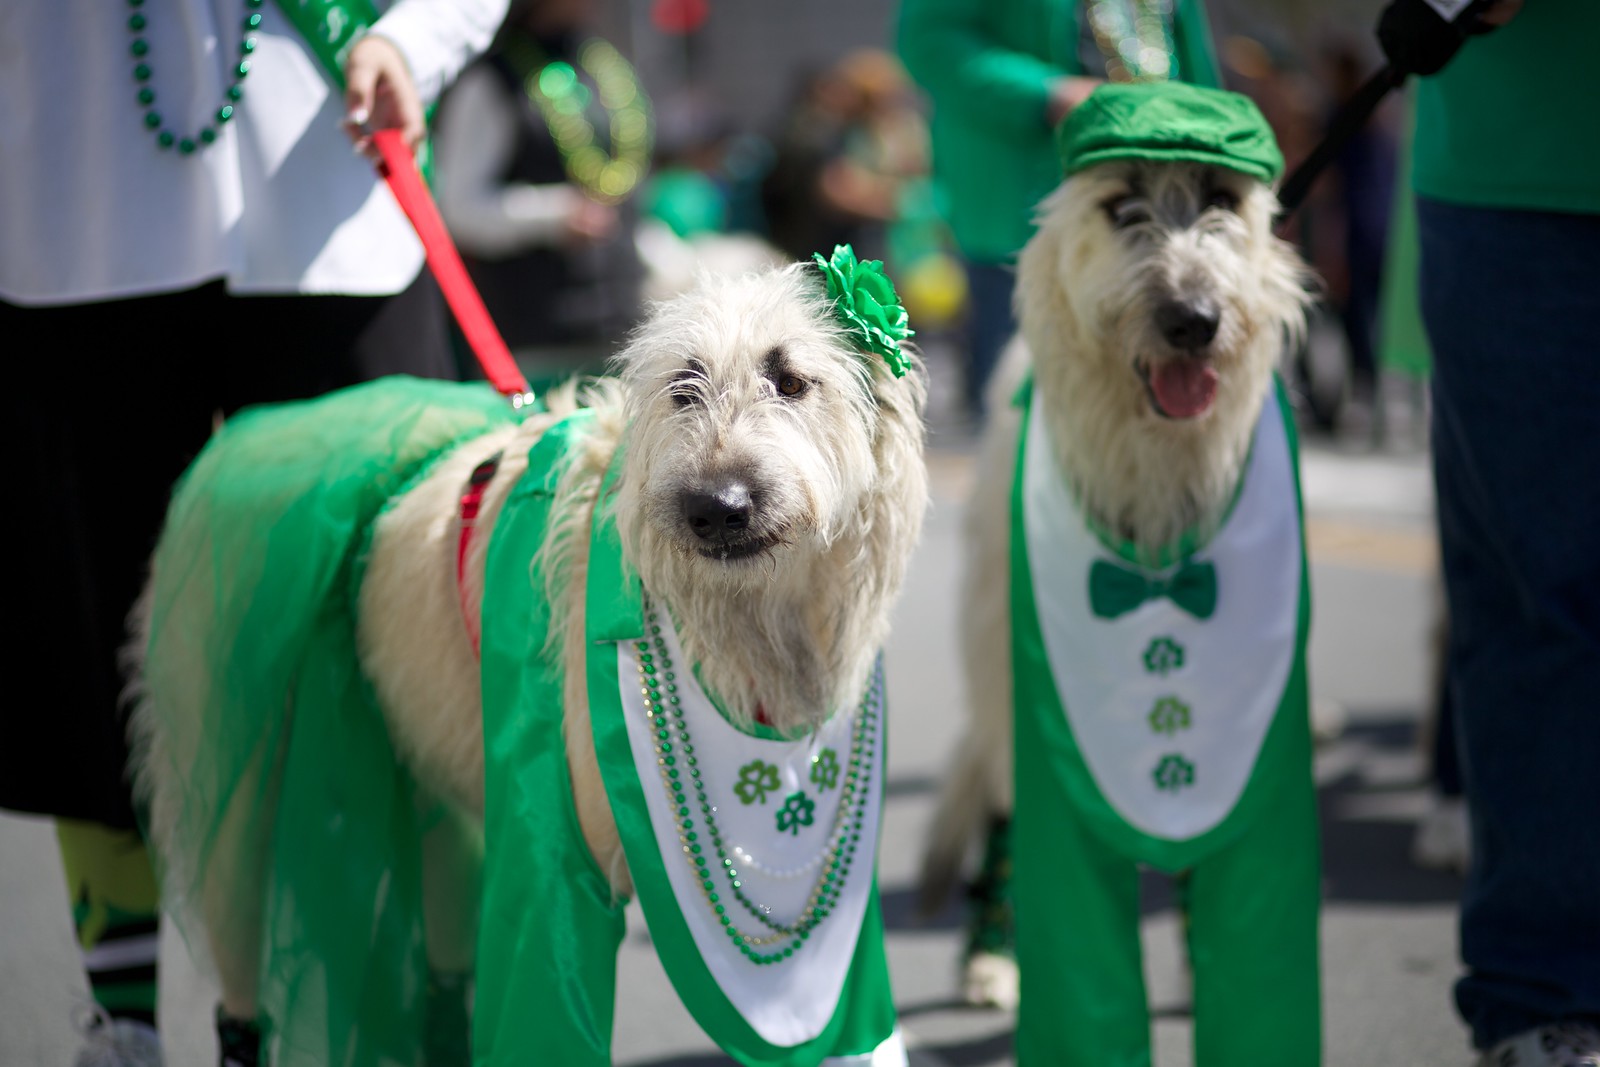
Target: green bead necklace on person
{"type": "Point", "coordinates": [146, 96]}
{"type": "Point", "coordinates": [673, 743]}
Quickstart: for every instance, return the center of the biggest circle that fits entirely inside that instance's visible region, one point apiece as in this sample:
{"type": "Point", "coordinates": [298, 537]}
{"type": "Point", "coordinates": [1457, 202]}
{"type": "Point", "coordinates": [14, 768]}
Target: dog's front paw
{"type": "Point", "coordinates": [990, 981]}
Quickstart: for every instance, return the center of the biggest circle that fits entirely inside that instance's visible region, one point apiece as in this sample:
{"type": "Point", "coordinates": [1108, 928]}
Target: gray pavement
{"type": "Point", "coordinates": [1388, 928]}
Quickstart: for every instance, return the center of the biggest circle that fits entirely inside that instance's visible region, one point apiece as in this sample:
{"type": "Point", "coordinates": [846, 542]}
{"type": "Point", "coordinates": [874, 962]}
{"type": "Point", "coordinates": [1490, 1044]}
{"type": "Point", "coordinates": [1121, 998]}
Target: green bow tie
{"type": "Point", "coordinates": [1115, 590]}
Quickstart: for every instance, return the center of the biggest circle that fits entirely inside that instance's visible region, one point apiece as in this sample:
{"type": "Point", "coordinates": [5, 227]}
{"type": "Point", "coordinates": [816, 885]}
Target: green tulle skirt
{"type": "Point", "coordinates": [270, 732]}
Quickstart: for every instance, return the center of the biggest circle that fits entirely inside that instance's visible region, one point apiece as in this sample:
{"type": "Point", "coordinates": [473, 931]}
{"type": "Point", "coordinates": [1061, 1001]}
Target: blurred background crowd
{"type": "Point", "coordinates": [753, 132]}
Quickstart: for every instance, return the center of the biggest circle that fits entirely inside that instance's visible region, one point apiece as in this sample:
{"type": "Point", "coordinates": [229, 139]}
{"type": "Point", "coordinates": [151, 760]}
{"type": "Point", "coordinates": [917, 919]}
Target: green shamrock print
{"type": "Point", "coordinates": [1169, 716]}
{"type": "Point", "coordinates": [797, 811]}
{"type": "Point", "coordinates": [1173, 773]}
{"type": "Point", "coordinates": [825, 770]}
{"type": "Point", "coordinates": [756, 780]}
{"type": "Point", "coordinates": [1163, 656]}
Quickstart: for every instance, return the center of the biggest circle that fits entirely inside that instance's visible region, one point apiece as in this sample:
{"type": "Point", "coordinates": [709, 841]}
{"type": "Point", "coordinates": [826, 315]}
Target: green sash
{"type": "Point", "coordinates": [550, 925]}
{"type": "Point", "coordinates": [330, 28]}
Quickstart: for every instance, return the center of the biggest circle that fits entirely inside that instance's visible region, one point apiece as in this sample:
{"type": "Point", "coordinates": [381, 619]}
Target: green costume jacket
{"type": "Point", "coordinates": [1161, 719]}
{"type": "Point", "coordinates": [987, 67]}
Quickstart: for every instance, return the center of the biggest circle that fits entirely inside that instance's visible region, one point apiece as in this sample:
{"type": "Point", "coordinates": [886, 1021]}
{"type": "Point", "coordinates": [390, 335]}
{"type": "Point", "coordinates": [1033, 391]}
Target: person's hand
{"type": "Point", "coordinates": [380, 95]}
{"type": "Point", "coordinates": [1417, 37]}
{"type": "Point", "coordinates": [1066, 94]}
{"type": "Point", "coordinates": [1500, 13]}
{"type": "Point", "coordinates": [589, 222]}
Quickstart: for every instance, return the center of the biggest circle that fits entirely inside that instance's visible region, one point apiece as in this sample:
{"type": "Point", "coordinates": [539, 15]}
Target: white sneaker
{"type": "Point", "coordinates": [1558, 1045]}
{"type": "Point", "coordinates": [109, 1042]}
{"type": "Point", "coordinates": [989, 980]}
{"type": "Point", "coordinates": [1443, 839]}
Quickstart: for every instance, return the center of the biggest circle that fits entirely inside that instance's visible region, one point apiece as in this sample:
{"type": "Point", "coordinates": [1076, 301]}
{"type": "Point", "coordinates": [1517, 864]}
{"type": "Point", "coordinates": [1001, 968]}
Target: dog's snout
{"type": "Point", "coordinates": [1188, 324]}
{"type": "Point", "coordinates": [723, 509]}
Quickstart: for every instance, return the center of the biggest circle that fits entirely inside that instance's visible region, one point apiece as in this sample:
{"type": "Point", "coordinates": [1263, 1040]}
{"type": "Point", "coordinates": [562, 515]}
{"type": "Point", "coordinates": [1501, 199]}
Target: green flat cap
{"type": "Point", "coordinates": [1169, 121]}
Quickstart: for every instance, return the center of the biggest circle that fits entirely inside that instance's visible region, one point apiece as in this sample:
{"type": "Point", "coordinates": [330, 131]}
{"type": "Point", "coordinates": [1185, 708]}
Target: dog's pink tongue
{"type": "Point", "coordinates": [1184, 388]}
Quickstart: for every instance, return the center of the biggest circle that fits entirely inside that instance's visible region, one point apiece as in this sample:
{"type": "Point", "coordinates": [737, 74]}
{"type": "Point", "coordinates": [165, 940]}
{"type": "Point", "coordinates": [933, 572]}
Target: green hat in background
{"type": "Point", "coordinates": [1167, 122]}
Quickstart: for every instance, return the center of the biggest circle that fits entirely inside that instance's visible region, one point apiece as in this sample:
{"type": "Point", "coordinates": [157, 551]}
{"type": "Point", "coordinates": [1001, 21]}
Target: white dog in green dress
{"type": "Point", "coordinates": [635, 639]}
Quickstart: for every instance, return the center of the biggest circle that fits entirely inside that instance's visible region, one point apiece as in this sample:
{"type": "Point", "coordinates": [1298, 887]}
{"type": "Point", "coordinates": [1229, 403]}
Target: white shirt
{"type": "Point", "coordinates": [92, 209]}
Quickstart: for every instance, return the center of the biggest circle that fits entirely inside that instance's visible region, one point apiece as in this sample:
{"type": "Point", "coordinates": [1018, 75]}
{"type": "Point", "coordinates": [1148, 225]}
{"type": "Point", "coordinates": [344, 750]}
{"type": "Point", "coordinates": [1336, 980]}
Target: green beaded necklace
{"type": "Point", "coordinates": [672, 741]}
{"type": "Point", "coordinates": [142, 73]}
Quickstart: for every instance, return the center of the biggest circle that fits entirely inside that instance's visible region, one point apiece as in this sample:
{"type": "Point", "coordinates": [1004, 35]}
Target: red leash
{"type": "Point", "coordinates": [399, 169]}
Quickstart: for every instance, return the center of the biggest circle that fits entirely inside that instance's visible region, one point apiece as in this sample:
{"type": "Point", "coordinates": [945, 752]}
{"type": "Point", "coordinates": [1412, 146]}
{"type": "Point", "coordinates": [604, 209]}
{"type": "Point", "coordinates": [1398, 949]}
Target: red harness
{"type": "Point", "coordinates": [471, 502]}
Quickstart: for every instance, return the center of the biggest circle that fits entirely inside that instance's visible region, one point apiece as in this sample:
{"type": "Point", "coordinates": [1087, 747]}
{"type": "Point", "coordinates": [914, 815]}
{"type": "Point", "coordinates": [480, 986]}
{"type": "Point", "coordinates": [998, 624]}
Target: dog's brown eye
{"type": "Point", "coordinates": [1222, 198]}
{"type": "Point", "coordinates": [789, 385]}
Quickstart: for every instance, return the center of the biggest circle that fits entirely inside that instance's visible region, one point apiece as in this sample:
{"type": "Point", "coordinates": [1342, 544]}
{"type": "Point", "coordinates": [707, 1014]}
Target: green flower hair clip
{"type": "Point", "coordinates": [865, 303]}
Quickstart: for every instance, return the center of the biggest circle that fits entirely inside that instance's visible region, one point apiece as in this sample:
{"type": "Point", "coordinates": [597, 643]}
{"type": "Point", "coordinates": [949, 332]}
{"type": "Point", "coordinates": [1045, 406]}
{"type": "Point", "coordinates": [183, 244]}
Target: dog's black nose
{"type": "Point", "coordinates": [724, 509]}
{"type": "Point", "coordinates": [1188, 324]}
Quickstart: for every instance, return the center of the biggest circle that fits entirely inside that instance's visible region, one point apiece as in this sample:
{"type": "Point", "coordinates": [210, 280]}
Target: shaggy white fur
{"type": "Point", "coordinates": [1116, 246]}
{"type": "Point", "coordinates": [746, 381]}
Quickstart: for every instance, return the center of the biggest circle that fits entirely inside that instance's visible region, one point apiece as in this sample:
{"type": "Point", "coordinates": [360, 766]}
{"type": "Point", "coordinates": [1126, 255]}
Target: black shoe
{"type": "Point", "coordinates": [239, 1041]}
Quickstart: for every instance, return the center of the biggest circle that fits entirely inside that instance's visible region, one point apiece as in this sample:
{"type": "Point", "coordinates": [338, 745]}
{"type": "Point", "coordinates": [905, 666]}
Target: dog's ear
{"type": "Point", "coordinates": [1044, 312]}
{"type": "Point", "coordinates": [909, 392]}
{"type": "Point", "coordinates": [895, 508]}
{"type": "Point", "coordinates": [1288, 285]}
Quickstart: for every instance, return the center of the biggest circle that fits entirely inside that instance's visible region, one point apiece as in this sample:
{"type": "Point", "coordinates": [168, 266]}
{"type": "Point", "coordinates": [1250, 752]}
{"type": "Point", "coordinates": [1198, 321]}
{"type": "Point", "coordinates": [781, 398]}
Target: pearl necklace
{"type": "Point", "coordinates": [659, 687]}
{"type": "Point", "coordinates": [146, 96]}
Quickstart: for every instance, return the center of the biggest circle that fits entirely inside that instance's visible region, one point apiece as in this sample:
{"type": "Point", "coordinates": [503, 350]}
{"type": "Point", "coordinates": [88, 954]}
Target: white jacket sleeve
{"type": "Point", "coordinates": [472, 147]}
{"type": "Point", "coordinates": [440, 37]}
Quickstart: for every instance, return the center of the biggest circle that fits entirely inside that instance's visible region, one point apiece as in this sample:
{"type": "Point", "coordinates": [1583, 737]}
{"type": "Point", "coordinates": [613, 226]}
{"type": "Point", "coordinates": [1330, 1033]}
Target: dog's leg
{"type": "Point", "coordinates": [1253, 939]}
{"type": "Point", "coordinates": [1083, 998]}
{"type": "Point", "coordinates": [233, 903]}
{"type": "Point", "coordinates": [452, 854]}
{"type": "Point", "coordinates": [225, 896]}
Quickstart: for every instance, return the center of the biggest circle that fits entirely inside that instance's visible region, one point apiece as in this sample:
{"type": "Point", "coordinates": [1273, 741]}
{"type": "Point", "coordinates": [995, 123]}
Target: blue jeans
{"type": "Point", "coordinates": [1511, 300]}
{"type": "Point", "coordinates": [990, 325]}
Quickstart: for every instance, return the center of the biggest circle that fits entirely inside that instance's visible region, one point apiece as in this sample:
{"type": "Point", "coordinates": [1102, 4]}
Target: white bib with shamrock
{"type": "Point", "coordinates": [777, 805]}
{"type": "Point", "coordinates": [1169, 711]}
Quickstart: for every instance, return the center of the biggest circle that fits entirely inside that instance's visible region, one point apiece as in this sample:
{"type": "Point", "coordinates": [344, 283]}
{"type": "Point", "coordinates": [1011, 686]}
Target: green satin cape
{"type": "Point", "coordinates": [253, 631]}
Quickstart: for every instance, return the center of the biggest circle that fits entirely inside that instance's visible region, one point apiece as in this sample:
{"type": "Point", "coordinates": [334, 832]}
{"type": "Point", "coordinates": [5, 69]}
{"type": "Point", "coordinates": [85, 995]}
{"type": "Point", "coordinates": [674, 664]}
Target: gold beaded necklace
{"type": "Point", "coordinates": [563, 100]}
{"type": "Point", "coordinates": [1135, 37]}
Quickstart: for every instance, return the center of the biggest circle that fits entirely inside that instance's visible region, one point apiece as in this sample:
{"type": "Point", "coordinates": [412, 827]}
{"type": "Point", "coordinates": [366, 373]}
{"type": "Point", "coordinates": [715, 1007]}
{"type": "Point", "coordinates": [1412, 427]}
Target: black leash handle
{"type": "Point", "coordinates": [1349, 118]}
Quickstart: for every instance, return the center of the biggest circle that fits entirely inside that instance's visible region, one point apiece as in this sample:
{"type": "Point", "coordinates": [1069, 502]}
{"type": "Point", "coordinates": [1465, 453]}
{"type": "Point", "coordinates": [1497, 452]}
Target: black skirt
{"type": "Point", "coordinates": [108, 402]}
